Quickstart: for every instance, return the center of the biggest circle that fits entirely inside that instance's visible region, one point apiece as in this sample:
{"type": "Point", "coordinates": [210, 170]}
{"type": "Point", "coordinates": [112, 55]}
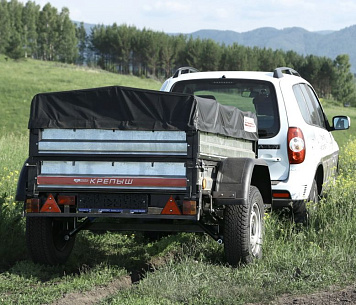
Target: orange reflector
{"type": "Point", "coordinates": [281, 195]}
{"type": "Point", "coordinates": [33, 205]}
{"type": "Point", "coordinates": [50, 205]}
{"type": "Point", "coordinates": [171, 208]}
{"type": "Point", "coordinates": [203, 185]}
{"type": "Point", "coordinates": [66, 200]}
{"type": "Point", "coordinates": [189, 207]}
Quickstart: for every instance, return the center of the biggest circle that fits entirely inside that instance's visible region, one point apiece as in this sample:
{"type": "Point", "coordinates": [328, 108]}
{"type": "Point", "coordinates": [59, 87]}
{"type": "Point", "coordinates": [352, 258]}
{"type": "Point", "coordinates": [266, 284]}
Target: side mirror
{"type": "Point", "coordinates": [341, 122]}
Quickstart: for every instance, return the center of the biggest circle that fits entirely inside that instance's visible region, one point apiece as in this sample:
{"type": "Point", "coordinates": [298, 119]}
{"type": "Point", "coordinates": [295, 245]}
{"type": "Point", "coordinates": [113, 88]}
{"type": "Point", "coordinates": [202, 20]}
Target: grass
{"type": "Point", "coordinates": [331, 110]}
{"type": "Point", "coordinates": [297, 260]}
{"type": "Point", "coordinates": [187, 268]}
{"type": "Point", "coordinates": [20, 81]}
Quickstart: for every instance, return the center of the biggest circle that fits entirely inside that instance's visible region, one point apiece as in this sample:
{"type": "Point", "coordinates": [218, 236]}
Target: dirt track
{"type": "Point", "coordinates": [334, 296]}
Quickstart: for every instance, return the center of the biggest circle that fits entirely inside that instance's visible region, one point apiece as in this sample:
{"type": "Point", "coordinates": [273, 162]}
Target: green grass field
{"type": "Point", "coordinates": [183, 268]}
{"type": "Point", "coordinates": [20, 81]}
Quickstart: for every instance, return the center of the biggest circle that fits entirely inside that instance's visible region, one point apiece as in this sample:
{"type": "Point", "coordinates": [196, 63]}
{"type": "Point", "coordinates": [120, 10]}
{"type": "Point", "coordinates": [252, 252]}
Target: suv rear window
{"type": "Point", "coordinates": [247, 95]}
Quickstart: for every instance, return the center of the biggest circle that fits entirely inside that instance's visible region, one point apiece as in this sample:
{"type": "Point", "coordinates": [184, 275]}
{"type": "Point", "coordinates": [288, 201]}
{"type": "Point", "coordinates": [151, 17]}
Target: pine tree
{"type": "Point", "coordinates": [82, 37]}
{"type": "Point", "coordinates": [14, 47]}
{"type": "Point", "coordinates": [344, 89]}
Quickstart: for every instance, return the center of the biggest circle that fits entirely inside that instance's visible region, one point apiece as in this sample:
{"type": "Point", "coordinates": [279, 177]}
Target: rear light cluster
{"type": "Point", "coordinates": [50, 205]}
{"type": "Point", "coordinates": [296, 145]}
{"type": "Point", "coordinates": [171, 208]}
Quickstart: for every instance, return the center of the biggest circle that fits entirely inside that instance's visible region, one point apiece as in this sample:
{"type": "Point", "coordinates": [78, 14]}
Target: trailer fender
{"type": "Point", "coordinates": [234, 178]}
{"type": "Point", "coordinates": [21, 183]}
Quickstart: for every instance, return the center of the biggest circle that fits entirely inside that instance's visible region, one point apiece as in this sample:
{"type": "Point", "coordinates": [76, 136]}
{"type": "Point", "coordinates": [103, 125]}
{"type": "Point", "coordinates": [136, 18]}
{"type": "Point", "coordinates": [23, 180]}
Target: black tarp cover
{"type": "Point", "coordinates": [138, 109]}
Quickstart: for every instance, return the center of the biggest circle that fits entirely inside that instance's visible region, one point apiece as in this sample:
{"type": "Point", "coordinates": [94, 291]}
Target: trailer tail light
{"type": "Point", "coordinates": [171, 208]}
{"type": "Point", "coordinates": [296, 145]}
{"type": "Point", "coordinates": [32, 205]}
{"type": "Point", "coordinates": [189, 207]}
{"type": "Point", "coordinates": [65, 200]}
{"type": "Point", "coordinates": [50, 205]}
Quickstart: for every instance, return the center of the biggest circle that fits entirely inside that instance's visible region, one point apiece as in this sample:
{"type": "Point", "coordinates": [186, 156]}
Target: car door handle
{"type": "Point", "coordinates": [276, 159]}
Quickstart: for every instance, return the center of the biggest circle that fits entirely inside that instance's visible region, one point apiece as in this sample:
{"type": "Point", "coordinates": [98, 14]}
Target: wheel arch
{"type": "Point", "coordinates": [21, 183]}
{"type": "Point", "coordinates": [261, 179]}
{"type": "Point", "coordinates": [319, 177]}
{"type": "Point", "coordinates": [234, 178]}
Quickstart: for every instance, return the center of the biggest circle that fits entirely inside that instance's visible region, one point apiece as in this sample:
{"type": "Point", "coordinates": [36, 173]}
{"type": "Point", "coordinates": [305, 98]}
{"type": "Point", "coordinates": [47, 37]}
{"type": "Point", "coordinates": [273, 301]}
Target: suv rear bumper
{"type": "Point", "coordinates": [298, 187]}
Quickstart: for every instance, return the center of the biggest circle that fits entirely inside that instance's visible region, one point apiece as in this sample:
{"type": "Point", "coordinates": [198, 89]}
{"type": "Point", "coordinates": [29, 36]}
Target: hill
{"type": "Point", "coordinates": [325, 43]}
{"type": "Point", "coordinates": [320, 43]}
{"type": "Point", "coordinates": [21, 80]}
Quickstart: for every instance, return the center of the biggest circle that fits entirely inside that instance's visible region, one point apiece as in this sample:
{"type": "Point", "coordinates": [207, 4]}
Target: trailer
{"type": "Point", "coordinates": [127, 159]}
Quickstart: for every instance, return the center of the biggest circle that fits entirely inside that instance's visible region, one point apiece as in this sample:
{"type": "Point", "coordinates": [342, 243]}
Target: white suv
{"type": "Point", "coordinates": [294, 133]}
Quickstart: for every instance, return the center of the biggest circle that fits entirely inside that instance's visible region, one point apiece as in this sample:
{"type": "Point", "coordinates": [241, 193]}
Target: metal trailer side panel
{"type": "Point", "coordinates": [215, 146]}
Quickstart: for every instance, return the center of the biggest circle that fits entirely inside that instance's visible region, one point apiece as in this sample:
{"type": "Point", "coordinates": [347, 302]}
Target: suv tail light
{"type": "Point", "coordinates": [296, 145]}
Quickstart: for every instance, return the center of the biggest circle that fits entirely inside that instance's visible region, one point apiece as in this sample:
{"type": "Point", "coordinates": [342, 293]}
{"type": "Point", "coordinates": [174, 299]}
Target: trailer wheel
{"type": "Point", "coordinates": [243, 230]}
{"type": "Point", "coordinates": [45, 238]}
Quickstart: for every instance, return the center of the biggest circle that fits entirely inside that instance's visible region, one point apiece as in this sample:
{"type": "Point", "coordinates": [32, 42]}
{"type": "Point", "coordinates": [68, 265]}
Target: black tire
{"type": "Point", "coordinates": [243, 230]}
{"type": "Point", "coordinates": [300, 209]}
{"type": "Point", "coordinates": [314, 194]}
{"type": "Point", "coordinates": [45, 238]}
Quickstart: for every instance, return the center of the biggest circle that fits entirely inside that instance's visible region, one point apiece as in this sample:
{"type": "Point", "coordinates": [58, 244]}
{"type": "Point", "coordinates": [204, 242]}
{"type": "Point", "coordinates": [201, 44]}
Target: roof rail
{"type": "Point", "coordinates": [278, 72]}
{"type": "Point", "coordinates": [184, 70]}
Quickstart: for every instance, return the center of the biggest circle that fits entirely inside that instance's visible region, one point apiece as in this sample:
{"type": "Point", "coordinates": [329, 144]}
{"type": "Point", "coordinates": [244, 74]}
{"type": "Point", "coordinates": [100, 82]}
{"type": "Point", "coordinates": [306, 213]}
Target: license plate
{"type": "Point", "coordinates": [113, 203]}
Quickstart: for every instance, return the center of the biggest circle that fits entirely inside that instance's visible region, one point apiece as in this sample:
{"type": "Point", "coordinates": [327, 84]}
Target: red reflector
{"type": "Point", "coordinates": [50, 205]}
{"type": "Point", "coordinates": [66, 200]}
{"type": "Point", "coordinates": [189, 207]}
{"type": "Point", "coordinates": [281, 195]}
{"type": "Point", "coordinates": [171, 208]}
{"type": "Point", "coordinates": [33, 205]}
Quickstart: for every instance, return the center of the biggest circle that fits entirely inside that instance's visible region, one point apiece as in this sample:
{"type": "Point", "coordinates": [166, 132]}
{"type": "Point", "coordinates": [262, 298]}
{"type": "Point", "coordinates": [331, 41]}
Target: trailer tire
{"type": "Point", "coordinates": [45, 238]}
{"type": "Point", "coordinates": [243, 230]}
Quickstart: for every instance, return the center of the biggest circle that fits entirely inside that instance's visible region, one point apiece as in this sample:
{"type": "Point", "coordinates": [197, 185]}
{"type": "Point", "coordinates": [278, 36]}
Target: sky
{"type": "Point", "coordinates": [179, 16]}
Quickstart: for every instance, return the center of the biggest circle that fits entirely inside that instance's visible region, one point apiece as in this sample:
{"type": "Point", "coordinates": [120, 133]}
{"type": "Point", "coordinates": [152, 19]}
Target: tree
{"type": "Point", "coordinates": [14, 48]}
{"type": "Point", "coordinates": [30, 16]}
{"type": "Point", "coordinates": [325, 78]}
{"type": "Point", "coordinates": [150, 47]}
{"type": "Point", "coordinates": [67, 44]}
{"type": "Point", "coordinates": [15, 11]}
{"type": "Point", "coordinates": [179, 44]}
{"type": "Point", "coordinates": [125, 33]}
{"type": "Point", "coordinates": [344, 89]}
{"type": "Point", "coordinates": [236, 58]}
{"type": "Point", "coordinates": [47, 32]}
{"type": "Point", "coordinates": [192, 52]}
{"type": "Point", "coordinates": [82, 38]}
{"type": "Point", "coordinates": [5, 26]}
{"type": "Point", "coordinates": [168, 54]}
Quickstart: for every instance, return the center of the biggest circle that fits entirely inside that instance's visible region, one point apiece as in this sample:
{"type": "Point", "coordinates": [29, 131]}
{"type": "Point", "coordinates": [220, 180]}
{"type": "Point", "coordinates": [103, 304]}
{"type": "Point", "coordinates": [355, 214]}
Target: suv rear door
{"type": "Point", "coordinates": [259, 96]}
{"type": "Point", "coordinates": [323, 149]}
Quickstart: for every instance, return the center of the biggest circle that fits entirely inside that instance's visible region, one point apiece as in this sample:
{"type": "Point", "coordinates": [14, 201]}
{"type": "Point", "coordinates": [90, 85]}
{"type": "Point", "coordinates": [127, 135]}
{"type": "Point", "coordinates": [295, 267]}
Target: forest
{"type": "Point", "coordinates": [29, 31]}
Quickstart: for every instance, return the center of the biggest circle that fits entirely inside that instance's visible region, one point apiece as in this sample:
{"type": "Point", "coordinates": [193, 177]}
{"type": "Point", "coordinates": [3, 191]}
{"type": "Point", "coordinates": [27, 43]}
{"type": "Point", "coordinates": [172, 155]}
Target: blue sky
{"type": "Point", "coordinates": [173, 16]}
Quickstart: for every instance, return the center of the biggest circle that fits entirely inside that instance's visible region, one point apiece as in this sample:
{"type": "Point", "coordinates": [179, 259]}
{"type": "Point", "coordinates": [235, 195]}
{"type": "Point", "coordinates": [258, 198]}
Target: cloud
{"type": "Point", "coordinates": [173, 16]}
{"type": "Point", "coordinates": [166, 7]}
